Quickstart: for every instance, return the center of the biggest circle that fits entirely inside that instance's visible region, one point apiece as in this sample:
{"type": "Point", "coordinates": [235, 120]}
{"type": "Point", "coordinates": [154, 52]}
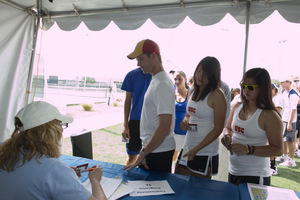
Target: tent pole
{"type": "Point", "coordinates": [36, 29]}
{"type": "Point", "coordinates": [248, 7]}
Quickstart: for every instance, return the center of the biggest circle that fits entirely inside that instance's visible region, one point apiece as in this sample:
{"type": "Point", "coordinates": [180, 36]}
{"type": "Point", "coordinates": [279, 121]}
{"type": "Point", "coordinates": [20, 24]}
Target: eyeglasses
{"type": "Point", "coordinates": [64, 125]}
{"type": "Point", "coordinates": [248, 87]}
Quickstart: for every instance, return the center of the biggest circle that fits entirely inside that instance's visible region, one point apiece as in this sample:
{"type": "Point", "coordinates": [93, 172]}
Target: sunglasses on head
{"type": "Point", "coordinates": [248, 87]}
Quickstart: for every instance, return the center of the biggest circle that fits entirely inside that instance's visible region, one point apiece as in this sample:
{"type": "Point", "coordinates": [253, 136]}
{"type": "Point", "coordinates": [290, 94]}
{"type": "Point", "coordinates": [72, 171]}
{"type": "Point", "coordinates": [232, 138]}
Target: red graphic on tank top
{"type": "Point", "coordinates": [239, 129]}
{"type": "Point", "coordinates": [192, 110]}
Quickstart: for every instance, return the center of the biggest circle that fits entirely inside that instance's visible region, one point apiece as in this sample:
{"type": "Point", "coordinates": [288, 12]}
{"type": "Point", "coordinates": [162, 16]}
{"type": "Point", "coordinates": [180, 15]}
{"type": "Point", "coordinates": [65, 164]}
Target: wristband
{"type": "Point", "coordinates": [143, 153]}
{"type": "Point", "coordinates": [250, 149]}
{"type": "Point", "coordinates": [247, 149]}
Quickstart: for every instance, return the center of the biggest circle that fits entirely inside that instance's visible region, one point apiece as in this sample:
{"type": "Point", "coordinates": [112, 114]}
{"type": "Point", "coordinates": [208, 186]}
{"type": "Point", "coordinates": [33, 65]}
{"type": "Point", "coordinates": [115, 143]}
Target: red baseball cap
{"type": "Point", "coordinates": [144, 46]}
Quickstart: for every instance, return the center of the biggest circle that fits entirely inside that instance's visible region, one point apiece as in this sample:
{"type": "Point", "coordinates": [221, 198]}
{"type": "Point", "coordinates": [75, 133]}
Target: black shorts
{"type": "Point", "coordinates": [135, 143]}
{"type": "Point", "coordinates": [248, 179]}
{"type": "Point", "coordinates": [298, 127]}
{"type": "Point", "coordinates": [200, 164]}
{"type": "Point", "coordinates": [161, 161]}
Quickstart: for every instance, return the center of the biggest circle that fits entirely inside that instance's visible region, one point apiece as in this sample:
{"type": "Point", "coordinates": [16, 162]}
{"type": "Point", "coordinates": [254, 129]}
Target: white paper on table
{"type": "Point", "coordinates": [146, 188]}
{"type": "Point", "coordinates": [122, 190]}
{"type": "Point", "coordinates": [109, 185]}
{"type": "Point", "coordinates": [267, 192]}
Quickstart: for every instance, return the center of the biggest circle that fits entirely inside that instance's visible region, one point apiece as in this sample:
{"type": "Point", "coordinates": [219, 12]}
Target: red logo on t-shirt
{"type": "Point", "coordinates": [192, 110]}
{"type": "Point", "coordinates": [239, 129]}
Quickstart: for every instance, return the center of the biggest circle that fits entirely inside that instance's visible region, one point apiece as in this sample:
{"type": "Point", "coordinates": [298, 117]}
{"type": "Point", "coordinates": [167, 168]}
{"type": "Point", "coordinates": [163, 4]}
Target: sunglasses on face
{"type": "Point", "coordinates": [248, 87]}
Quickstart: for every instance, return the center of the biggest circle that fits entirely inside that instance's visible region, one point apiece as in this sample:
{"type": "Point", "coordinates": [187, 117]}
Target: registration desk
{"type": "Point", "coordinates": [185, 187]}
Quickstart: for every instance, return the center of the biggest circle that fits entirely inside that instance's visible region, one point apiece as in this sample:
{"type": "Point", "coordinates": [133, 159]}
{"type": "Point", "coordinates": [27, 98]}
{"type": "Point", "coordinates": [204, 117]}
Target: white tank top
{"type": "Point", "coordinates": [248, 132]}
{"type": "Point", "coordinates": [202, 115]}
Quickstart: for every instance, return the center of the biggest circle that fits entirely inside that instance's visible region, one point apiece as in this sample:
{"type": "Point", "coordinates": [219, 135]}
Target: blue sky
{"type": "Point", "coordinates": [273, 44]}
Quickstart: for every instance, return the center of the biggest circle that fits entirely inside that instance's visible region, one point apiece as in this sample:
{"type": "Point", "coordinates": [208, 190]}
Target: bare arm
{"type": "Point", "coordinates": [272, 124]}
{"type": "Point", "coordinates": [289, 126]}
{"type": "Point", "coordinates": [127, 108]}
{"type": "Point", "coordinates": [95, 178]}
{"type": "Point", "coordinates": [278, 109]}
{"type": "Point", "coordinates": [184, 124]}
{"type": "Point", "coordinates": [227, 131]}
{"type": "Point", "coordinates": [97, 192]}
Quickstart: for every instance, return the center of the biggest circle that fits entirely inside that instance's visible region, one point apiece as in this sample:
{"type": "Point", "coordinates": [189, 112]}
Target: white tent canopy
{"type": "Point", "coordinates": [19, 22]}
{"type": "Point", "coordinates": [131, 14]}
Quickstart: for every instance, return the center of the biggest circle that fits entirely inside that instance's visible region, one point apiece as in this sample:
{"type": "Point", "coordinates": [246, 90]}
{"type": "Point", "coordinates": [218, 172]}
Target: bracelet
{"type": "Point", "coordinates": [247, 149]}
{"type": "Point", "coordinates": [143, 153]}
{"type": "Point", "coordinates": [250, 149]}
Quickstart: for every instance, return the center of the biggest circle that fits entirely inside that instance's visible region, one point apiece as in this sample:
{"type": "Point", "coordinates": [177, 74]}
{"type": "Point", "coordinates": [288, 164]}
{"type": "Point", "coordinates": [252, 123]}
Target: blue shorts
{"type": "Point", "coordinates": [289, 136]}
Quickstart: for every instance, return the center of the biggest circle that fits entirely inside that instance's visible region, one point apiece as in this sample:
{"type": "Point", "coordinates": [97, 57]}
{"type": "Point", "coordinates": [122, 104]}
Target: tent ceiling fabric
{"type": "Point", "coordinates": [131, 14]}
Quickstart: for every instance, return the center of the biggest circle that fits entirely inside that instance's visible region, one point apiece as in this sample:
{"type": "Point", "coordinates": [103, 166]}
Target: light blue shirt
{"type": "Point", "coordinates": [51, 179]}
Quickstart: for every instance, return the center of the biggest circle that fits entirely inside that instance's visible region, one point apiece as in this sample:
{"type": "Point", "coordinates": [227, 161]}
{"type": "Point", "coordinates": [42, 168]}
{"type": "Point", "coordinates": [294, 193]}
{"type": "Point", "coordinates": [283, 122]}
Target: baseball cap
{"type": "Point", "coordinates": [144, 46]}
{"type": "Point", "coordinates": [38, 113]}
{"type": "Point", "coordinates": [274, 86]}
{"type": "Point", "coordinates": [283, 79]}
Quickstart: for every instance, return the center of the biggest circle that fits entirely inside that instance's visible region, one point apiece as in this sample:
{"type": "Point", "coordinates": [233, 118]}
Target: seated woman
{"type": "Point", "coordinates": [29, 163]}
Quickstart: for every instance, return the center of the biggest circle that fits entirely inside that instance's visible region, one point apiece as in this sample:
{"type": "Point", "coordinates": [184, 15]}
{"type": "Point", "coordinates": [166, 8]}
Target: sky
{"type": "Point", "coordinates": [274, 44]}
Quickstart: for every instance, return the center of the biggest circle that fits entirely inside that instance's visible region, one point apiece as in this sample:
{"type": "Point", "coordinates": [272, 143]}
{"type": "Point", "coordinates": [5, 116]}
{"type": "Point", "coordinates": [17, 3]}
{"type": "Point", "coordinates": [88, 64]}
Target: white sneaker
{"type": "Point", "coordinates": [289, 163]}
{"type": "Point", "coordinates": [282, 158]}
{"type": "Point", "coordinates": [273, 172]}
{"type": "Point", "coordinates": [297, 153]}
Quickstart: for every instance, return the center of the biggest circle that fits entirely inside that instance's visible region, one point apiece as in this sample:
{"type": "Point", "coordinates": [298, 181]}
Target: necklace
{"type": "Point", "coordinates": [249, 111]}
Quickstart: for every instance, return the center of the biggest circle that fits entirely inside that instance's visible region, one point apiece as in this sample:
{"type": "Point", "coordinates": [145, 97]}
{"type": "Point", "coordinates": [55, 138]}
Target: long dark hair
{"type": "Point", "coordinates": [261, 78]}
{"type": "Point", "coordinates": [212, 70]}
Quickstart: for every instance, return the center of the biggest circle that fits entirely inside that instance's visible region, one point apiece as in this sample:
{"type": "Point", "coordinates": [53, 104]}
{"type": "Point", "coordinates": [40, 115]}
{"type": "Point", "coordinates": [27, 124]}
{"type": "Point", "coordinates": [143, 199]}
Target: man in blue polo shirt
{"type": "Point", "coordinates": [135, 84]}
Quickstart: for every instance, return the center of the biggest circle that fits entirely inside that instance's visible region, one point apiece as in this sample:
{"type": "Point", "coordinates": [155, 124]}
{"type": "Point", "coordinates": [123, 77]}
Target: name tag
{"type": "Point", "coordinates": [193, 127]}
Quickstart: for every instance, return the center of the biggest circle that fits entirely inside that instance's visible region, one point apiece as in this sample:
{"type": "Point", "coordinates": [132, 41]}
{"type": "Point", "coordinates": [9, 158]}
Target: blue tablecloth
{"type": "Point", "coordinates": [185, 187]}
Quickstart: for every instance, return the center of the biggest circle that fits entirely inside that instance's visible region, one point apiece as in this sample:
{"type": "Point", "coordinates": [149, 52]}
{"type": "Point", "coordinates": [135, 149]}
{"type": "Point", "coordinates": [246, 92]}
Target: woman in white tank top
{"type": "Point", "coordinates": [253, 132]}
{"type": "Point", "coordinates": [204, 122]}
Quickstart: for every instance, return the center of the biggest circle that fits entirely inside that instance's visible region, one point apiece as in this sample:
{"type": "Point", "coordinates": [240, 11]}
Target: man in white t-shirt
{"type": "Point", "coordinates": [289, 117]}
{"type": "Point", "coordinates": [157, 118]}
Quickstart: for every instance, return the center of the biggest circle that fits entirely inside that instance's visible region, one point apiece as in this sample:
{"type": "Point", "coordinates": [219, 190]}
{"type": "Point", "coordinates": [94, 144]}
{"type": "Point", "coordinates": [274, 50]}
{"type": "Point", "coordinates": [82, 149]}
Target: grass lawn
{"type": "Point", "coordinates": [288, 177]}
{"type": "Point", "coordinates": [107, 147]}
